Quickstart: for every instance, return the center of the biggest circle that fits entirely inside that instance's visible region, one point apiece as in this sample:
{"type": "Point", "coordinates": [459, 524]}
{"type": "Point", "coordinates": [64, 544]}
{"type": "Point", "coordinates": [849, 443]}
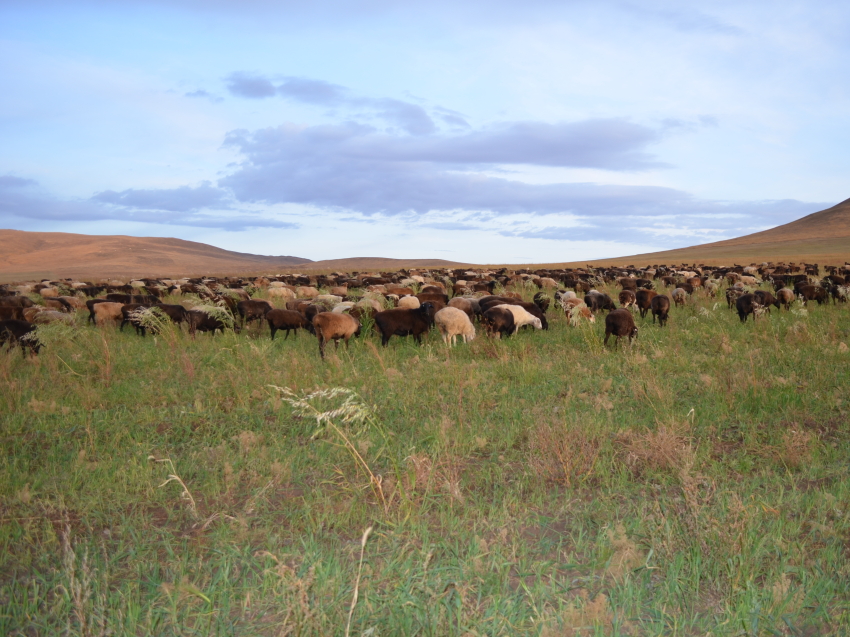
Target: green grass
{"type": "Point", "coordinates": [695, 483]}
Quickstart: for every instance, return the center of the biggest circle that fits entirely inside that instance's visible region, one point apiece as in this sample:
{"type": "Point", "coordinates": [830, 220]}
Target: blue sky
{"type": "Point", "coordinates": [473, 131]}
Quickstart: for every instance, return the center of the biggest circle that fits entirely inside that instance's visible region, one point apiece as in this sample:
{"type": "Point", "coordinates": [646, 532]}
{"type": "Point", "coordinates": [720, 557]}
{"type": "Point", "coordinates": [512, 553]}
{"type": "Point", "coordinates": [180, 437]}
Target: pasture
{"type": "Point", "coordinates": [693, 483]}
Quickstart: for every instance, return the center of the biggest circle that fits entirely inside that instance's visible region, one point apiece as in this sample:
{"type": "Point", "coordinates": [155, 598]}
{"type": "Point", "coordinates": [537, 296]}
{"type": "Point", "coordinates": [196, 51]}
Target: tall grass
{"type": "Point", "coordinates": [693, 483]}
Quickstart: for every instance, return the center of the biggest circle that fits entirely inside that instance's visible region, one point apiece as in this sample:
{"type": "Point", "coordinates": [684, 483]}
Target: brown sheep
{"type": "Point", "coordinates": [330, 326]}
{"type": "Point", "coordinates": [660, 306]}
{"type": "Point", "coordinates": [620, 323]}
{"type": "Point", "coordinates": [644, 301]}
{"type": "Point", "coordinates": [106, 312]}
{"type": "Point", "coordinates": [285, 320]}
{"type": "Point", "coordinates": [627, 298]}
{"type": "Point", "coordinates": [786, 297]}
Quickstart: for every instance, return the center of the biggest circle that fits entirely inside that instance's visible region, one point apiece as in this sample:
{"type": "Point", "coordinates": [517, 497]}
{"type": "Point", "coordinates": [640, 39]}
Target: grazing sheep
{"type": "Point", "coordinates": [9, 312]}
{"type": "Point", "coordinates": [464, 305]}
{"type": "Point", "coordinates": [18, 301]}
{"type": "Point", "coordinates": [576, 311]}
{"type": "Point", "coordinates": [680, 296]}
{"type": "Point", "coordinates": [14, 332]}
{"type": "Point", "coordinates": [660, 306]}
{"type": "Point", "coordinates": [106, 312]}
{"type": "Point", "coordinates": [281, 293]}
{"type": "Point", "coordinates": [252, 310]}
{"type": "Point", "coordinates": [498, 320]}
{"type": "Point", "coordinates": [49, 293]}
{"type": "Point", "coordinates": [627, 298]}
{"type": "Point", "coordinates": [409, 302]}
{"type": "Point", "coordinates": [597, 301]}
{"type": "Point", "coordinates": [404, 322]}
{"type": "Point", "coordinates": [644, 300]}
{"type": "Point", "coordinates": [542, 301]}
{"type": "Point", "coordinates": [747, 304]}
{"type": "Point", "coordinates": [177, 313]}
{"type": "Point", "coordinates": [200, 321]}
{"type": "Point", "coordinates": [620, 323]}
{"type": "Point", "coordinates": [453, 322]}
{"type": "Point", "coordinates": [343, 307]}
{"type": "Point", "coordinates": [786, 297]}
{"type": "Point", "coordinates": [565, 294]}
{"type": "Point", "coordinates": [51, 316]}
{"type": "Point", "coordinates": [306, 292]}
{"type": "Point", "coordinates": [329, 326]}
{"type": "Point", "coordinates": [285, 320]}
{"type": "Point", "coordinates": [522, 317]}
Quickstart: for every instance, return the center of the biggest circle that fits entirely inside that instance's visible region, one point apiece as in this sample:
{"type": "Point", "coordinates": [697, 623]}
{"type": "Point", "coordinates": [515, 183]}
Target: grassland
{"type": "Point", "coordinates": [693, 484]}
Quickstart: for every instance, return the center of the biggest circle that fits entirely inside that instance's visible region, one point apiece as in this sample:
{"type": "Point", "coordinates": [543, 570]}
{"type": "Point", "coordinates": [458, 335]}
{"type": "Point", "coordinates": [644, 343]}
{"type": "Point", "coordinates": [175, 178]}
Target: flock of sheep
{"type": "Point", "coordinates": [410, 303]}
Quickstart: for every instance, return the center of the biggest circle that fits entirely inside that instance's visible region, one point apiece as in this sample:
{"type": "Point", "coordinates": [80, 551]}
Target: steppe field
{"type": "Point", "coordinates": [693, 483]}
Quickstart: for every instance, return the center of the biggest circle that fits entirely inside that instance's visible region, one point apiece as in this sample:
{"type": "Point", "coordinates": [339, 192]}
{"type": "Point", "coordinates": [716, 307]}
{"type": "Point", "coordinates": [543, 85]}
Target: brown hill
{"type": "Point", "coordinates": [30, 255]}
{"type": "Point", "coordinates": [822, 237]}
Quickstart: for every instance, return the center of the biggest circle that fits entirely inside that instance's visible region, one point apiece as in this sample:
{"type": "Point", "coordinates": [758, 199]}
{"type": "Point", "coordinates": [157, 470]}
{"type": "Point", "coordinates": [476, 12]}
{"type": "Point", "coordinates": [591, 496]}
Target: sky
{"type": "Point", "coordinates": [482, 132]}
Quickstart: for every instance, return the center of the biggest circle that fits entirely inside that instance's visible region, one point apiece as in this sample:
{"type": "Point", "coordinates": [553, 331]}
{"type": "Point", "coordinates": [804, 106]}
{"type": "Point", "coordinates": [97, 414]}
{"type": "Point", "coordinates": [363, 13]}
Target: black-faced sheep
{"type": "Point", "coordinates": [14, 332]}
{"type": "Point", "coordinates": [498, 320]}
{"type": "Point", "coordinates": [522, 317]}
{"type": "Point", "coordinates": [330, 326]}
{"type": "Point", "coordinates": [747, 304]}
{"type": "Point", "coordinates": [620, 323]}
{"type": "Point", "coordinates": [453, 322]}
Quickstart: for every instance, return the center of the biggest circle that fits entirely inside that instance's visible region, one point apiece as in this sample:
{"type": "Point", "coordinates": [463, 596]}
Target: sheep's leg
{"type": "Point", "coordinates": [273, 330]}
{"type": "Point", "coordinates": [605, 342]}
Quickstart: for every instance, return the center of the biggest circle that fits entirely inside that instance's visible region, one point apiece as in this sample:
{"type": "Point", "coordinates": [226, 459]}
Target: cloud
{"type": "Point", "coordinates": [203, 94]}
{"type": "Point", "coordinates": [242, 84]}
{"type": "Point", "coordinates": [203, 207]}
{"type": "Point", "coordinates": [409, 117]}
{"type": "Point", "coordinates": [182, 199]}
{"type": "Point", "coordinates": [355, 168]}
{"type": "Point", "coordinates": [8, 181]}
{"type": "Point", "coordinates": [312, 91]}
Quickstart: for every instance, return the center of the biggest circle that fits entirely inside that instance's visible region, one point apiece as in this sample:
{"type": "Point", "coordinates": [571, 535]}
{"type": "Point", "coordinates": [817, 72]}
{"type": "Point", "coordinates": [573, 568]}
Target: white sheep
{"type": "Point", "coordinates": [522, 317]}
{"type": "Point", "coordinates": [409, 302]}
{"type": "Point", "coordinates": [453, 322]}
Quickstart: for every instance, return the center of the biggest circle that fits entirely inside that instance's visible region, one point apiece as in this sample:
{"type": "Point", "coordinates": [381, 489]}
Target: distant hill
{"type": "Point", "coordinates": [34, 255]}
{"type": "Point", "coordinates": [27, 255]}
{"type": "Point", "coordinates": [822, 237]}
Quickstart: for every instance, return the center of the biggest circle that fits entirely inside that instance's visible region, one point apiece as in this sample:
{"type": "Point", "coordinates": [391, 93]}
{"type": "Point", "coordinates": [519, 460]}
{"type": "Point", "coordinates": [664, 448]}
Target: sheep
{"type": "Point", "coordinates": [18, 301]}
{"type": "Point", "coordinates": [660, 306]}
{"type": "Point", "coordinates": [679, 296]}
{"type": "Point", "coordinates": [409, 302]}
{"type": "Point", "coordinates": [75, 302]}
{"type": "Point", "coordinates": [576, 311]}
{"type": "Point", "coordinates": [48, 292]}
{"type": "Point", "coordinates": [281, 293]}
{"type": "Point", "coordinates": [21, 333]}
{"type": "Point", "coordinates": [498, 320]}
{"type": "Point", "coordinates": [620, 323]}
{"type": "Point", "coordinates": [464, 305]}
{"type": "Point", "coordinates": [627, 298]}
{"type": "Point", "coordinates": [542, 301]}
{"type": "Point", "coordinates": [452, 322]}
{"type": "Point", "coordinates": [285, 320]}
{"type": "Point", "coordinates": [404, 322]}
{"type": "Point", "coordinates": [565, 294]}
{"type": "Point", "coordinates": [177, 313]}
{"type": "Point", "coordinates": [329, 326]}
{"type": "Point", "coordinates": [252, 310]}
{"type": "Point", "coordinates": [597, 301]}
{"type": "Point", "coordinates": [339, 290]}
{"type": "Point", "coordinates": [51, 316]}
{"type": "Point", "coordinates": [343, 307]}
{"type": "Point", "coordinates": [786, 297]}
{"type": "Point", "coordinates": [522, 317]}
{"type": "Point", "coordinates": [643, 301]}
{"type": "Point", "coordinates": [9, 312]}
{"type": "Point", "coordinates": [747, 304]}
{"type": "Point", "coordinates": [306, 291]}
{"type": "Point", "coordinates": [328, 299]}
{"type": "Point", "coordinates": [106, 311]}
{"type": "Point", "coordinates": [201, 321]}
